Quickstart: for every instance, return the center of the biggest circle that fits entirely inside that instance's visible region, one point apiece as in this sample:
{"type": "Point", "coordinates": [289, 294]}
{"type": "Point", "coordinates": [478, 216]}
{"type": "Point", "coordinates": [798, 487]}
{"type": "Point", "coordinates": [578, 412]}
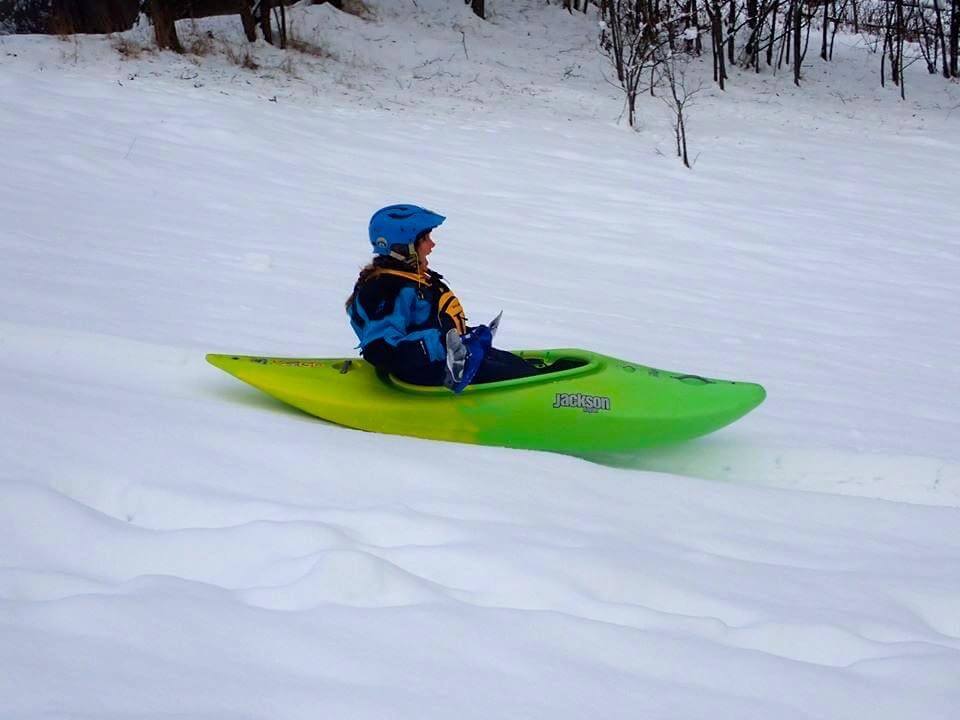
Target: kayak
{"type": "Point", "coordinates": [585, 402]}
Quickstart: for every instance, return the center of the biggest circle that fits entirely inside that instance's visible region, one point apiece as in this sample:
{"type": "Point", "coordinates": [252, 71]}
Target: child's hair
{"type": "Point", "coordinates": [410, 259]}
{"type": "Point", "coordinates": [365, 272]}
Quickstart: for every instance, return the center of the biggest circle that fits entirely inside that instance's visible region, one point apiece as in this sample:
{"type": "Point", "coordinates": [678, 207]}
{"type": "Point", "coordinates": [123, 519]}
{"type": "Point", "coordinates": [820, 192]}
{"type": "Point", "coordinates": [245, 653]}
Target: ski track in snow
{"type": "Point", "coordinates": [172, 542]}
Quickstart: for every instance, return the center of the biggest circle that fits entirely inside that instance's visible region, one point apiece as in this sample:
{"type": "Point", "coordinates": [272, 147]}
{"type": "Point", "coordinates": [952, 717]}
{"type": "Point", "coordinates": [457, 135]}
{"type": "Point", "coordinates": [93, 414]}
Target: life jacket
{"type": "Point", "coordinates": [393, 305]}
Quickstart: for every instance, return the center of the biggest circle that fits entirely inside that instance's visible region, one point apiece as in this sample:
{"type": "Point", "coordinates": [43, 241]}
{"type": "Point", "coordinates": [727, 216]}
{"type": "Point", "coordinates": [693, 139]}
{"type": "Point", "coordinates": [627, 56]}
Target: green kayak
{"type": "Point", "coordinates": [587, 403]}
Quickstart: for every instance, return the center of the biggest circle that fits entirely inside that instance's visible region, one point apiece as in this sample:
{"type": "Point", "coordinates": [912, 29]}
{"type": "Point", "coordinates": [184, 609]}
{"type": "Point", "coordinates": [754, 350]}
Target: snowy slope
{"type": "Point", "coordinates": [172, 542]}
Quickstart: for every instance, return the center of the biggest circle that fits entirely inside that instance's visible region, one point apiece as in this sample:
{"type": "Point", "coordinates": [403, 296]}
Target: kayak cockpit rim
{"type": "Point", "coordinates": [589, 363]}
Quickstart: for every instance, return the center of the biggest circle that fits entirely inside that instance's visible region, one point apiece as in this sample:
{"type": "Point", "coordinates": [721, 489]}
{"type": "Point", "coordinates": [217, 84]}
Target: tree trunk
{"type": "Point", "coordinates": [955, 38]}
{"type": "Point", "coordinates": [797, 56]}
{"type": "Point", "coordinates": [249, 24]}
{"type": "Point", "coordinates": [720, 59]}
{"type": "Point", "coordinates": [890, 44]}
{"type": "Point", "coordinates": [883, 56]}
{"type": "Point", "coordinates": [754, 38]}
{"type": "Point", "coordinates": [785, 44]}
{"type": "Point", "coordinates": [901, 33]}
{"type": "Point", "coordinates": [282, 25]}
{"type": "Point", "coordinates": [837, 14]}
{"type": "Point", "coordinates": [929, 49]}
{"type": "Point", "coordinates": [616, 40]}
{"type": "Point", "coordinates": [716, 32]}
{"type": "Point", "coordinates": [480, 10]}
{"type": "Point", "coordinates": [773, 31]}
{"type": "Point", "coordinates": [731, 24]}
{"type": "Point", "coordinates": [164, 27]}
{"type": "Point", "coordinates": [940, 36]}
{"type": "Point", "coordinates": [266, 27]}
{"type": "Point", "coordinates": [683, 140]}
{"type": "Point", "coordinates": [690, 22]}
{"type": "Point", "coordinates": [826, 28]}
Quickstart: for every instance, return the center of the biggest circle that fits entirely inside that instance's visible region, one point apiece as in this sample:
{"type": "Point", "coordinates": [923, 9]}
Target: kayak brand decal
{"type": "Point", "coordinates": [285, 362]}
{"type": "Point", "coordinates": [587, 403]}
{"type": "Point", "coordinates": [297, 363]}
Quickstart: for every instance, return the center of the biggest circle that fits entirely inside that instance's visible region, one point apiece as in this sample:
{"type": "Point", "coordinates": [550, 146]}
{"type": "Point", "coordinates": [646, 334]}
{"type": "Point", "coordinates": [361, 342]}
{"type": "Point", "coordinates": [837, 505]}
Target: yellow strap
{"type": "Point", "coordinates": [450, 305]}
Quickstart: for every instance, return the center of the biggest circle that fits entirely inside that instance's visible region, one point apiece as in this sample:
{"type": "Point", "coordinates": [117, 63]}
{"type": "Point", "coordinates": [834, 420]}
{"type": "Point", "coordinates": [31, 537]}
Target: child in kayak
{"type": "Point", "coordinates": [407, 319]}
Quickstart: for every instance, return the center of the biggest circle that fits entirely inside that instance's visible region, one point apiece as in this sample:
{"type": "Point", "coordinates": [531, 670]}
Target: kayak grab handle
{"type": "Point", "coordinates": [693, 379]}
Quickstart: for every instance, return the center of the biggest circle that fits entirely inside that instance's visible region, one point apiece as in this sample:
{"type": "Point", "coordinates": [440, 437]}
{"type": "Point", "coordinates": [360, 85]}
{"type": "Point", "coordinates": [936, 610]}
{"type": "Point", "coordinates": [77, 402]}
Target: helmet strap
{"type": "Point", "coordinates": [410, 258]}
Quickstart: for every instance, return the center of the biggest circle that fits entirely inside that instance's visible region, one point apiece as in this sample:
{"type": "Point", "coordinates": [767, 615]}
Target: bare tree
{"type": "Point", "coordinates": [824, 43]}
{"type": "Point", "coordinates": [941, 37]}
{"type": "Point", "coordinates": [955, 38]}
{"type": "Point", "coordinates": [714, 12]}
{"type": "Point", "coordinates": [629, 37]}
{"type": "Point", "coordinates": [797, 27]}
{"type": "Point", "coordinates": [894, 38]}
{"type": "Point", "coordinates": [733, 12]}
{"type": "Point", "coordinates": [773, 31]}
{"type": "Point", "coordinates": [678, 98]}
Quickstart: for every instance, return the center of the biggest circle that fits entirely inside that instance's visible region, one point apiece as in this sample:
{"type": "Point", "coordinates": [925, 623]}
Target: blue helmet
{"type": "Point", "coordinates": [400, 225]}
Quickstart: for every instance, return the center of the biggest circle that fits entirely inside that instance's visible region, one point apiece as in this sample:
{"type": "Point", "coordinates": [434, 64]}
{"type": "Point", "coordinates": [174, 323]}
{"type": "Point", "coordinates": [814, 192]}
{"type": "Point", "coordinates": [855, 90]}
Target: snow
{"type": "Point", "coordinates": [173, 542]}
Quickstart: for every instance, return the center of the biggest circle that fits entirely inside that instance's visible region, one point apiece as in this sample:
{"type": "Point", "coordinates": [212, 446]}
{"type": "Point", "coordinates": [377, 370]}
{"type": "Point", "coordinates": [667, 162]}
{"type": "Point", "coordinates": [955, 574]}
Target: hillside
{"type": "Point", "coordinates": [174, 543]}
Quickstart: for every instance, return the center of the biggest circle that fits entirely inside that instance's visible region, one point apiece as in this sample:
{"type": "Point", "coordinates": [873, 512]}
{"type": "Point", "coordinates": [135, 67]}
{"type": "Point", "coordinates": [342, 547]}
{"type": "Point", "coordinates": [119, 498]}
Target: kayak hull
{"type": "Point", "coordinates": [594, 403]}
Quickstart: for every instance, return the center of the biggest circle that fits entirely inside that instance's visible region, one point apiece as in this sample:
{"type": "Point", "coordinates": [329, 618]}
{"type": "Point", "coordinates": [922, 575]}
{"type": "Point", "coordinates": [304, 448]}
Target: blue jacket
{"type": "Point", "coordinates": [392, 306]}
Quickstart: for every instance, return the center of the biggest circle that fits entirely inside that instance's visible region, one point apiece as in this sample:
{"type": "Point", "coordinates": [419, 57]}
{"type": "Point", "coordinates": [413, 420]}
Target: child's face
{"type": "Point", "coordinates": [424, 248]}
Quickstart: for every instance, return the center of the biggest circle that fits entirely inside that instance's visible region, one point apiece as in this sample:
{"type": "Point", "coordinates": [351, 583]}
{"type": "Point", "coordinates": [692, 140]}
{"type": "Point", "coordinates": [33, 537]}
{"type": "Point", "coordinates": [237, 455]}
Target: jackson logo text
{"type": "Point", "coordinates": [587, 403]}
